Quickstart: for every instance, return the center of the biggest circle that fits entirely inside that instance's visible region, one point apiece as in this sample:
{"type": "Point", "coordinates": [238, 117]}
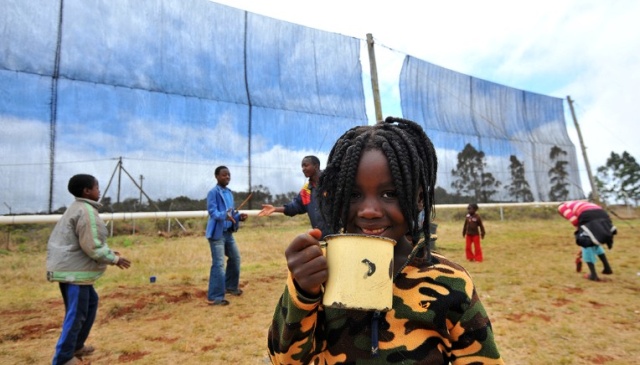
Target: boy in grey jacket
{"type": "Point", "coordinates": [77, 255]}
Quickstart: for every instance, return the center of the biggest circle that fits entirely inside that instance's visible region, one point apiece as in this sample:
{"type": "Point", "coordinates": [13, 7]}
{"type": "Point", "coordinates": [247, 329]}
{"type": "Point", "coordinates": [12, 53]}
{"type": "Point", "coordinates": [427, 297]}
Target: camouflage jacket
{"type": "Point", "coordinates": [437, 318]}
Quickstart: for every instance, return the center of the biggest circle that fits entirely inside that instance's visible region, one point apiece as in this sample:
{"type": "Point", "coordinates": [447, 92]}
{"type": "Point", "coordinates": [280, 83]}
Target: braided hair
{"type": "Point", "coordinates": [412, 162]}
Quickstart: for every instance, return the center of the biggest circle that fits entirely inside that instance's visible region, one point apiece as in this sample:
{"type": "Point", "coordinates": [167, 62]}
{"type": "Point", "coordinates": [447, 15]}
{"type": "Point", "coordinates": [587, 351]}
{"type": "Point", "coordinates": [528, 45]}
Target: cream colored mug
{"type": "Point", "coordinates": [360, 272]}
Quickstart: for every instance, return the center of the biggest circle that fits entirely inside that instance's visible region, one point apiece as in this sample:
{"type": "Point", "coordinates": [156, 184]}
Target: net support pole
{"type": "Point", "coordinates": [374, 78]}
{"type": "Point", "coordinates": [594, 188]}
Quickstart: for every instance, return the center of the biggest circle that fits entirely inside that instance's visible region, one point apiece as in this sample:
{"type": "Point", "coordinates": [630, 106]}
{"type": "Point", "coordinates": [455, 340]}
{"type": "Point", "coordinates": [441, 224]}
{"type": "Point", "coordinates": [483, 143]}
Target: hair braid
{"type": "Point", "coordinates": [412, 162]}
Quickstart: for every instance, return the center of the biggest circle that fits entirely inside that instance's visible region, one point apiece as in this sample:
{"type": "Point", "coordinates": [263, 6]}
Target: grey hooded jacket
{"type": "Point", "coordinates": [77, 250]}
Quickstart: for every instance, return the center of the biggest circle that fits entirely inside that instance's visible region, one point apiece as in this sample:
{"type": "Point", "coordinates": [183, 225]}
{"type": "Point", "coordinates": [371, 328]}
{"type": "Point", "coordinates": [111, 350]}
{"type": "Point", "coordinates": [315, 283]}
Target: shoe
{"type": "Point", "coordinates": [218, 302]}
{"type": "Point", "coordinates": [237, 293]}
{"type": "Point", "coordinates": [607, 272]}
{"type": "Point", "coordinates": [589, 277]}
{"type": "Point", "coordinates": [84, 351]}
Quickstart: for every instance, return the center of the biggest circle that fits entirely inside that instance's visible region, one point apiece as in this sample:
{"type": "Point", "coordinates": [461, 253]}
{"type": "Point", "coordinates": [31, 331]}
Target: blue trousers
{"type": "Point", "coordinates": [590, 254]}
{"type": "Point", "coordinates": [81, 306]}
{"type": "Point", "coordinates": [220, 279]}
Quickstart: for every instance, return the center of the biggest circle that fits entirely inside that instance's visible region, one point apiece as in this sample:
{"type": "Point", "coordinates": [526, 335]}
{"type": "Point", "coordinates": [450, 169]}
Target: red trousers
{"type": "Point", "coordinates": [474, 254]}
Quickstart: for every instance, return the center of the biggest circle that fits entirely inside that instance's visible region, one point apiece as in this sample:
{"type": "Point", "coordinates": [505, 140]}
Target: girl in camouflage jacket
{"type": "Point", "coordinates": [376, 179]}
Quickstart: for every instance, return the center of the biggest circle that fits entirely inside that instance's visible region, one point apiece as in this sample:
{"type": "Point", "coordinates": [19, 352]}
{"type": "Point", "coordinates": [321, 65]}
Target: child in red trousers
{"type": "Point", "coordinates": [473, 230]}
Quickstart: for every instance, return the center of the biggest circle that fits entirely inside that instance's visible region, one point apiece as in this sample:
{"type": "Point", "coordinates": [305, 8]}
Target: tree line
{"type": "Point", "coordinates": [473, 183]}
{"type": "Point", "coordinates": [617, 181]}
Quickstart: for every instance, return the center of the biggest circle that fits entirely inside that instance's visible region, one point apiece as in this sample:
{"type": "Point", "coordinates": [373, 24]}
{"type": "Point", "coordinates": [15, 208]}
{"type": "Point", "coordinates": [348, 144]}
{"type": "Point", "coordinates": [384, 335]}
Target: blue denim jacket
{"type": "Point", "coordinates": [217, 208]}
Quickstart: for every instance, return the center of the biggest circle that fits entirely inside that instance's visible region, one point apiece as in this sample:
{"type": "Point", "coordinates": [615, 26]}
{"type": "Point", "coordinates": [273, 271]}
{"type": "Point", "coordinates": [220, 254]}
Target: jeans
{"type": "Point", "coordinates": [219, 279]}
{"type": "Point", "coordinates": [81, 306]}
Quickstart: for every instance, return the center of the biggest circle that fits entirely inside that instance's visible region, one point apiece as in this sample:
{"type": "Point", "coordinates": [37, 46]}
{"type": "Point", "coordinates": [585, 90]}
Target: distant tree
{"type": "Point", "coordinates": [471, 178]}
{"type": "Point", "coordinates": [282, 199]}
{"type": "Point", "coordinates": [60, 210]}
{"type": "Point", "coordinates": [179, 204]}
{"type": "Point", "coordinates": [519, 188]}
{"type": "Point", "coordinates": [129, 205]}
{"type": "Point", "coordinates": [443, 197]}
{"type": "Point", "coordinates": [106, 205]}
{"type": "Point", "coordinates": [619, 178]}
{"type": "Point", "coordinates": [261, 195]}
{"type": "Point", "coordinates": [558, 175]}
{"type": "Point", "coordinates": [488, 186]}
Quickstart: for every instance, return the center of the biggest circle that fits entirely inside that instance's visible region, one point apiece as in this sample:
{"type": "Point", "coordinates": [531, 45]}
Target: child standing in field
{"type": "Point", "coordinates": [376, 179]}
{"type": "Point", "coordinates": [223, 221]}
{"type": "Point", "coordinates": [77, 255]}
{"type": "Point", "coordinates": [473, 230]}
{"type": "Point", "coordinates": [305, 201]}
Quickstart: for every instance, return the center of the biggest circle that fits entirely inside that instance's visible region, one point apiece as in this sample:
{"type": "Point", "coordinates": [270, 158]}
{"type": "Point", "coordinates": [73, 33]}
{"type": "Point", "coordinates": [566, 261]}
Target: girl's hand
{"type": "Point", "coordinates": [307, 264]}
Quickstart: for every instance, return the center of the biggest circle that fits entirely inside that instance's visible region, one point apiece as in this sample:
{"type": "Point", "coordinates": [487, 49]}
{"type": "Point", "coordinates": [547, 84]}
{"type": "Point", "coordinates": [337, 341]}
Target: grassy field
{"type": "Point", "coordinates": [542, 311]}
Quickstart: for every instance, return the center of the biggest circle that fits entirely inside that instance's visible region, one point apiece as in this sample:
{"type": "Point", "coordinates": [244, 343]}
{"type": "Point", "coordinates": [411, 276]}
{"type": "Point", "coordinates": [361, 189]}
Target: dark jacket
{"type": "Point", "coordinates": [306, 202]}
{"type": "Point", "coordinates": [595, 228]}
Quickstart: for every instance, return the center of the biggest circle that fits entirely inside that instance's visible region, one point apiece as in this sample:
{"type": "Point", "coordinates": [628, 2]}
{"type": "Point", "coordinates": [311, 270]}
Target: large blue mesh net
{"type": "Point", "coordinates": [168, 90]}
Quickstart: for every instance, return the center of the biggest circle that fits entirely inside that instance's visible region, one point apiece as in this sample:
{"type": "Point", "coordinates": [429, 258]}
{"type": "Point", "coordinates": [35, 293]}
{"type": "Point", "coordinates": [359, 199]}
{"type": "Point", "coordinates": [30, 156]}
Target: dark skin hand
{"type": "Point", "coordinates": [306, 262]}
{"type": "Point", "coordinates": [123, 263]}
{"type": "Point", "coordinates": [243, 217]}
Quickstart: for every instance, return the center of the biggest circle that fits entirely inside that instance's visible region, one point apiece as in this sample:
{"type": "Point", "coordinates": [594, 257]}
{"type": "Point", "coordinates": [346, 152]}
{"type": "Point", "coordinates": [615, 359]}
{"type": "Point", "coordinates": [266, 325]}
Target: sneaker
{"type": "Point", "coordinates": [84, 351]}
{"type": "Point", "coordinates": [237, 292]}
{"type": "Point", "coordinates": [218, 302]}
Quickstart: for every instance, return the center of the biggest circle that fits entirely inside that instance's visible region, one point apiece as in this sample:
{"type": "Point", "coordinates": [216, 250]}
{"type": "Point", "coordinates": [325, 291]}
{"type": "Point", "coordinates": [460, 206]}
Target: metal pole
{"type": "Point", "coordinates": [594, 189]}
{"type": "Point", "coordinates": [140, 199]}
{"type": "Point", "coordinates": [119, 178]}
{"type": "Point", "coordinates": [374, 78]}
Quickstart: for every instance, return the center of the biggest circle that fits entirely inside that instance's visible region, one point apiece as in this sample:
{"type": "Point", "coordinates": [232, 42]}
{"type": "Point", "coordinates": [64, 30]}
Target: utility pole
{"type": "Point", "coordinates": [594, 188]}
{"type": "Point", "coordinates": [8, 206]}
{"type": "Point", "coordinates": [119, 178]}
{"type": "Point", "coordinates": [140, 199]}
{"type": "Point", "coordinates": [374, 78]}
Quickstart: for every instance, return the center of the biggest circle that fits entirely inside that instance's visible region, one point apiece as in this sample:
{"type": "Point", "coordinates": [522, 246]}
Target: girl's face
{"type": "Point", "coordinates": [93, 193]}
{"type": "Point", "coordinates": [471, 209]}
{"type": "Point", "coordinates": [374, 208]}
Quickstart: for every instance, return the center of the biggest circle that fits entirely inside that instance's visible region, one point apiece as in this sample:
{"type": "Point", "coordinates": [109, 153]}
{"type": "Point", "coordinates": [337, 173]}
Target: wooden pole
{"type": "Point", "coordinates": [594, 188]}
{"type": "Point", "coordinates": [374, 78]}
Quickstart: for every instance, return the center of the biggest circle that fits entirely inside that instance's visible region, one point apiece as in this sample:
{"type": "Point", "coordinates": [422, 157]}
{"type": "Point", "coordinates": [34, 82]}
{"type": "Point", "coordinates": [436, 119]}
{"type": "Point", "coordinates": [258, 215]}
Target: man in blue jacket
{"type": "Point", "coordinates": [223, 221]}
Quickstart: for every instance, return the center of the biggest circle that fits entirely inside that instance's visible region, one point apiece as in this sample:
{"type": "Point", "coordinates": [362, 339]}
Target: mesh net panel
{"type": "Point", "coordinates": [457, 109]}
{"type": "Point", "coordinates": [172, 90]}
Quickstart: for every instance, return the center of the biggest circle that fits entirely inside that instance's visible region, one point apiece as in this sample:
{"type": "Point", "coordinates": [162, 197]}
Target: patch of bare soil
{"type": "Point", "coordinates": [133, 356]}
{"type": "Point", "coordinates": [600, 359]}
{"type": "Point", "coordinates": [522, 317]}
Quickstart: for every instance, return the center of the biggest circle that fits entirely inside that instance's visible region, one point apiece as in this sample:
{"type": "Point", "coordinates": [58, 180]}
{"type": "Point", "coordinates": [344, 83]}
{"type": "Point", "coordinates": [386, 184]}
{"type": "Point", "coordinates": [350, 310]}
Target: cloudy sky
{"type": "Point", "coordinates": [588, 50]}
